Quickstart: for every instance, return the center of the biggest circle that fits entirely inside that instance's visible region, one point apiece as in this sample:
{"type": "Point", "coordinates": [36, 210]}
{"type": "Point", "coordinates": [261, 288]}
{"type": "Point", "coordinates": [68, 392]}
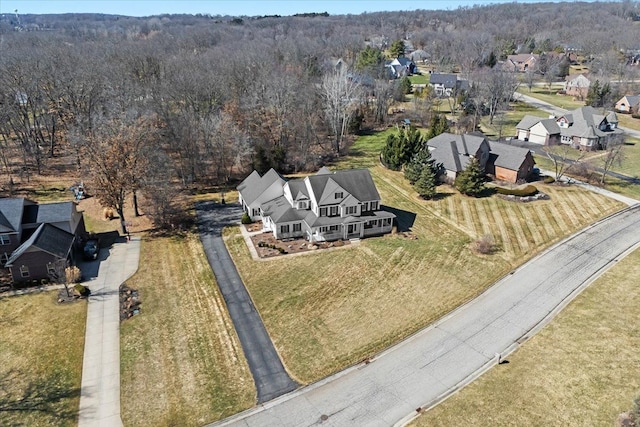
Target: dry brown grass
{"type": "Point", "coordinates": [328, 310]}
{"type": "Point", "coordinates": [181, 362]}
{"type": "Point", "coordinates": [41, 346]}
{"type": "Point", "coordinates": [580, 370]}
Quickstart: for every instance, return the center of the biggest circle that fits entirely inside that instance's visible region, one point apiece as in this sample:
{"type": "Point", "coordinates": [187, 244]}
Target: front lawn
{"type": "Point", "coordinates": [41, 349]}
{"type": "Point", "coordinates": [580, 370]}
{"type": "Point", "coordinates": [181, 361]}
{"type": "Point", "coordinates": [328, 310]}
{"type": "Point", "coordinates": [552, 97]}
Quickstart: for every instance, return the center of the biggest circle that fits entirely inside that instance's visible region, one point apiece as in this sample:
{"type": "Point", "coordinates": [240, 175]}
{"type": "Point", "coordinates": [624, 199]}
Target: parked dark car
{"type": "Point", "coordinates": [91, 249]}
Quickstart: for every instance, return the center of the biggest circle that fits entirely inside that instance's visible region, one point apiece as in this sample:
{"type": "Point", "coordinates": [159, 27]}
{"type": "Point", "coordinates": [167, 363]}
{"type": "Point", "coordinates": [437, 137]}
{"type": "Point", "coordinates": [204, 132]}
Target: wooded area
{"type": "Point", "coordinates": [176, 102]}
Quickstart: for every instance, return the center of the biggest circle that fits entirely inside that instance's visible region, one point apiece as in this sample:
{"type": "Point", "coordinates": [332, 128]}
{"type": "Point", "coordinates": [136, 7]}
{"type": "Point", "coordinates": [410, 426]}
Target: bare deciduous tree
{"type": "Point", "coordinates": [341, 93]}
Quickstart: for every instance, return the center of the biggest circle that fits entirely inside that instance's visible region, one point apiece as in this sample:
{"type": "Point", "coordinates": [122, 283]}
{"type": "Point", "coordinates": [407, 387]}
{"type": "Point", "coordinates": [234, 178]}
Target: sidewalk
{"type": "Point", "coordinates": [100, 390]}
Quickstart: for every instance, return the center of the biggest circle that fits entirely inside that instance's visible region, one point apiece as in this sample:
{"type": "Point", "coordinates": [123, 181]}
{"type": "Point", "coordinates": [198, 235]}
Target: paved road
{"type": "Point", "coordinates": [437, 361]}
{"type": "Point", "coordinates": [100, 389]}
{"type": "Point", "coordinates": [269, 375]}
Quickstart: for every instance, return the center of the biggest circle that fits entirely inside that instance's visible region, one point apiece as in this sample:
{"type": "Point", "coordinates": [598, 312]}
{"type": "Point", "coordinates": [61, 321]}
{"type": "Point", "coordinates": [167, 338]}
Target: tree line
{"type": "Point", "coordinates": [173, 102]}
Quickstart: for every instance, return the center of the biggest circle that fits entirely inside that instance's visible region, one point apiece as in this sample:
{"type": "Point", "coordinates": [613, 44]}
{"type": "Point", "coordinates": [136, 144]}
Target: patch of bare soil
{"type": "Point", "coordinates": [91, 206]}
{"type": "Point", "coordinates": [268, 246]}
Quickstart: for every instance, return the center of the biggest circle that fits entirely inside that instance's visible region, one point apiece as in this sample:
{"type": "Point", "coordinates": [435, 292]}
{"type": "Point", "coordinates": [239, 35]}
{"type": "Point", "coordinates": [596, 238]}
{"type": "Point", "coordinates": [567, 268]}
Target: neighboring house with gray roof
{"type": "Point", "coordinates": [322, 207]}
{"type": "Point", "coordinates": [577, 85]}
{"type": "Point", "coordinates": [584, 128]}
{"type": "Point", "coordinates": [447, 84]}
{"type": "Point", "coordinates": [521, 63]}
{"type": "Point", "coordinates": [454, 152]}
{"type": "Point", "coordinates": [628, 103]}
{"type": "Point", "coordinates": [510, 163]}
{"type": "Point", "coordinates": [35, 236]}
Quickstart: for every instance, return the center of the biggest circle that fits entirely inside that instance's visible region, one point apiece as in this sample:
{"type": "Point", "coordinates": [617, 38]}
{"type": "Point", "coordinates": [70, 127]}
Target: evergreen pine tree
{"type": "Point", "coordinates": [439, 125]}
{"type": "Point", "coordinates": [426, 184]}
{"type": "Point", "coordinates": [419, 161]}
{"type": "Point", "coordinates": [471, 180]}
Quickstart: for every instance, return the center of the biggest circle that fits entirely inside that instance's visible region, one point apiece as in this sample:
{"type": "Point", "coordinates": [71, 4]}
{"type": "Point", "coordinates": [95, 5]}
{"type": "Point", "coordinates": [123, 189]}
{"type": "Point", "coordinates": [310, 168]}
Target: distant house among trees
{"type": "Point", "coordinates": [521, 63]}
{"type": "Point", "coordinates": [445, 85]}
{"type": "Point", "coordinates": [401, 67]}
{"type": "Point", "coordinates": [577, 85]}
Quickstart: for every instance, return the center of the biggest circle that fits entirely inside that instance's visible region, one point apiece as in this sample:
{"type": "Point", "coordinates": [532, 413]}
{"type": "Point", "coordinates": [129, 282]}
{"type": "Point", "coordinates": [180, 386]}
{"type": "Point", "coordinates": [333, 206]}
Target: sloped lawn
{"type": "Point", "coordinates": [326, 311]}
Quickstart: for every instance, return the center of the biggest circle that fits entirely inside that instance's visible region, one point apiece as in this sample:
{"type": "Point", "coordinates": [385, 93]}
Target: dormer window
{"type": "Point", "coordinates": [339, 195]}
{"type": "Point", "coordinates": [302, 205]}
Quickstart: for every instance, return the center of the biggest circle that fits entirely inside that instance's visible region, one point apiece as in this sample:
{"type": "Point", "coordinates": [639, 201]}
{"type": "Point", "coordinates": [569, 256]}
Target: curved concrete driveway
{"type": "Point", "coordinates": [434, 363]}
{"type": "Point", "coordinates": [269, 375]}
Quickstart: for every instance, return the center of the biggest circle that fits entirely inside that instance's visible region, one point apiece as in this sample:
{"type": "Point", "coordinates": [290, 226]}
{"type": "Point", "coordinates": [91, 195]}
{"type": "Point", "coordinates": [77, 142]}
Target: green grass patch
{"type": "Point", "coordinates": [41, 350]}
{"type": "Point", "coordinates": [552, 97]}
{"type": "Point", "coordinates": [581, 369]}
{"type": "Point", "coordinates": [181, 361]}
{"type": "Point", "coordinates": [419, 79]}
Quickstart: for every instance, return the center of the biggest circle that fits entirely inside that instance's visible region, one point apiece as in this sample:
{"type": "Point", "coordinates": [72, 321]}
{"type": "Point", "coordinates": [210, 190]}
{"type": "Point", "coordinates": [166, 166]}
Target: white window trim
{"type": "Point", "coordinates": [5, 239]}
{"type": "Point", "coordinates": [24, 271]}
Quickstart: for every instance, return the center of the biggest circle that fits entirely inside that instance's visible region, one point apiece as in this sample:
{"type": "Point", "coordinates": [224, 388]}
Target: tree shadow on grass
{"type": "Point", "coordinates": [51, 398]}
{"type": "Point", "coordinates": [404, 219]}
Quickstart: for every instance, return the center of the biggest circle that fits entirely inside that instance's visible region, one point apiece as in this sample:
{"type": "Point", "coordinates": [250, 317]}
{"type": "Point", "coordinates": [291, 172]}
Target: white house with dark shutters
{"type": "Point", "coordinates": [322, 207]}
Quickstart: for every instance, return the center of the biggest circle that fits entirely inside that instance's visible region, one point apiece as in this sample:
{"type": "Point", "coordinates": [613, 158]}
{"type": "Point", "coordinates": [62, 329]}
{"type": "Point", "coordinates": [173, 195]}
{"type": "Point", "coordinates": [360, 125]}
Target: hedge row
{"type": "Point", "coordinates": [529, 190]}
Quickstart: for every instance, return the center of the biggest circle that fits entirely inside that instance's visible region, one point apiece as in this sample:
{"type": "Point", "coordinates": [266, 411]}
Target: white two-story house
{"type": "Point", "coordinates": [326, 206]}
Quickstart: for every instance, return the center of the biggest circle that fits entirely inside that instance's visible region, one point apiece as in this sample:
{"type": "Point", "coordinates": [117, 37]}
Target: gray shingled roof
{"type": "Point", "coordinates": [449, 81]}
{"type": "Point", "coordinates": [528, 121]}
{"type": "Point", "coordinates": [466, 144]}
{"type": "Point", "coordinates": [357, 182]}
{"type": "Point", "coordinates": [298, 189]}
{"type": "Point", "coordinates": [47, 238]}
{"type": "Point", "coordinates": [280, 210]}
{"type": "Point", "coordinates": [508, 156]}
{"type": "Point", "coordinates": [551, 126]}
{"type": "Point", "coordinates": [253, 186]}
{"type": "Point", "coordinates": [11, 210]}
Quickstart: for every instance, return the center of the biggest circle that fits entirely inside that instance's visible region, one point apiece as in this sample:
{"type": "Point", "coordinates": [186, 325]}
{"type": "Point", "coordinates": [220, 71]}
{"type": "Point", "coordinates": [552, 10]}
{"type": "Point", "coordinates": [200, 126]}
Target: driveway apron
{"type": "Point", "coordinates": [269, 375]}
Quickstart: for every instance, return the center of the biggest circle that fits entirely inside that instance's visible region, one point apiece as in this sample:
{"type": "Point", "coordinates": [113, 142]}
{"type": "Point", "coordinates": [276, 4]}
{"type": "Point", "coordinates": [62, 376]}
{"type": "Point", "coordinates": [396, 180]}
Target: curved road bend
{"type": "Point", "coordinates": [440, 359]}
{"type": "Point", "coordinates": [269, 375]}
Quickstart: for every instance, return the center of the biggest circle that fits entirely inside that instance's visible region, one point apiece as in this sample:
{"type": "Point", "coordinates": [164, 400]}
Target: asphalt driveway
{"type": "Point", "coordinates": [269, 375]}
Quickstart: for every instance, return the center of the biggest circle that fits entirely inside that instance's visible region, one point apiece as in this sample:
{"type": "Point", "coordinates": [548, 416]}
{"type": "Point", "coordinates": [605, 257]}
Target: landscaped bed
{"type": "Point", "coordinates": [268, 246]}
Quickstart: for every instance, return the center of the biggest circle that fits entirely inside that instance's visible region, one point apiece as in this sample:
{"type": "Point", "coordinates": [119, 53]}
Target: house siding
{"type": "Point", "coordinates": [36, 261]}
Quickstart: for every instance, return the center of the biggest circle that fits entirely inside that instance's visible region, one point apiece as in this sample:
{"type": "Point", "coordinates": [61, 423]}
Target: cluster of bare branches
{"type": "Point", "coordinates": [224, 95]}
